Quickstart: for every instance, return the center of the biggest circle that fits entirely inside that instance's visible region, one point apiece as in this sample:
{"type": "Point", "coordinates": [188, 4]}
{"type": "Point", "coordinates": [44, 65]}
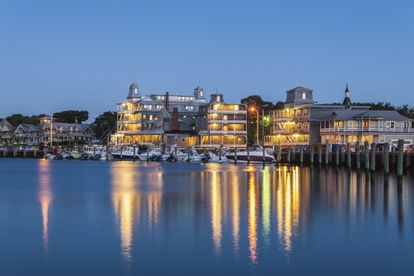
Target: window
{"type": "Point", "coordinates": [189, 108]}
{"type": "Point", "coordinates": [303, 96]}
{"type": "Point", "coordinates": [150, 117]}
{"type": "Point", "coordinates": [406, 124]}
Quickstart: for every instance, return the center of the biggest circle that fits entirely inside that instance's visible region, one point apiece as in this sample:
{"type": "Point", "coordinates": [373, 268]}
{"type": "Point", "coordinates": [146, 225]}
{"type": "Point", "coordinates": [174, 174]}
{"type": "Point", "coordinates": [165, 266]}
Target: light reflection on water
{"type": "Point", "coordinates": [45, 199]}
{"type": "Point", "coordinates": [203, 217]}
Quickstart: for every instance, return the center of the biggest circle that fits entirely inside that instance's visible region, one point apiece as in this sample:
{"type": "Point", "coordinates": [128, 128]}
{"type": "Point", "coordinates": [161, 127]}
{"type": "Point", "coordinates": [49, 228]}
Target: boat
{"type": "Point", "coordinates": [126, 153]}
{"type": "Point", "coordinates": [255, 155]}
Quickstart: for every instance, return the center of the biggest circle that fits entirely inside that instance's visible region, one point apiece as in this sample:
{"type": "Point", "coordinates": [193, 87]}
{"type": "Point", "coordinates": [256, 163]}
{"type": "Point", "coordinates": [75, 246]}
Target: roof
{"type": "Point", "coordinates": [389, 115]}
{"type": "Point", "coordinates": [29, 128]}
{"type": "Point", "coordinates": [300, 88]}
{"type": "Point", "coordinates": [6, 126]}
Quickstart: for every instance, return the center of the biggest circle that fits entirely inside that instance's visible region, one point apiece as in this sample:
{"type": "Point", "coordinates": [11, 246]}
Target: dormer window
{"type": "Point", "coordinates": [303, 96]}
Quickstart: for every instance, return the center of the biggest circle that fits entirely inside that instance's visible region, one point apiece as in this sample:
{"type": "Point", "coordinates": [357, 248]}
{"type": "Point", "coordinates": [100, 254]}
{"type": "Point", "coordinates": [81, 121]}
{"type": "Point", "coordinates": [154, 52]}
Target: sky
{"type": "Point", "coordinates": [83, 54]}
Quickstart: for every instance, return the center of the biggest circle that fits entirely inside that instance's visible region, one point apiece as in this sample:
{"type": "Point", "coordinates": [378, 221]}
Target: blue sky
{"type": "Point", "coordinates": [57, 55]}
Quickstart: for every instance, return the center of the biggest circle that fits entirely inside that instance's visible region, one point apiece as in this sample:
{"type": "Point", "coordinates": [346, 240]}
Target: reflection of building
{"type": "Point", "coordinates": [222, 124]}
{"type": "Point", "coordinates": [158, 118]}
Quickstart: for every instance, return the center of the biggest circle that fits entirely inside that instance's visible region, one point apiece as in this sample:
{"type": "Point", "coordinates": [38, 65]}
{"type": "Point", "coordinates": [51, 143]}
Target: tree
{"type": "Point", "coordinates": [17, 119]}
{"type": "Point", "coordinates": [255, 103]}
{"type": "Point", "coordinates": [104, 125]}
{"type": "Point", "coordinates": [71, 116]}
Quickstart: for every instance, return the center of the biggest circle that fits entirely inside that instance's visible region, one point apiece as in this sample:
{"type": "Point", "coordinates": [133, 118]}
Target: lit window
{"type": "Point", "coordinates": [303, 96]}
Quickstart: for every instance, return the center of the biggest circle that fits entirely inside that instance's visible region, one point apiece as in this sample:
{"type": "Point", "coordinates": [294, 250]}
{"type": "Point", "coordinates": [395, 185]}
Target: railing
{"type": "Point", "coordinates": [368, 129]}
{"type": "Point", "coordinates": [217, 121]}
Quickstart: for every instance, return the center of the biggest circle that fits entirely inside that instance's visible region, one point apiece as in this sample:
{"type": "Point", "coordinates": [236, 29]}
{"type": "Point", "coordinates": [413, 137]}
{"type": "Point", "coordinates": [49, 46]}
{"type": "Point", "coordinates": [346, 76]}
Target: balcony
{"type": "Point", "coordinates": [367, 129]}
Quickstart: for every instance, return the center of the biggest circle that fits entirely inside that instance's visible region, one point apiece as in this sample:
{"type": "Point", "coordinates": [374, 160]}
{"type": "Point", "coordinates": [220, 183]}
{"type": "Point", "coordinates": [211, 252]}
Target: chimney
{"type": "Point", "coordinates": [175, 124]}
{"type": "Point", "coordinates": [167, 101]}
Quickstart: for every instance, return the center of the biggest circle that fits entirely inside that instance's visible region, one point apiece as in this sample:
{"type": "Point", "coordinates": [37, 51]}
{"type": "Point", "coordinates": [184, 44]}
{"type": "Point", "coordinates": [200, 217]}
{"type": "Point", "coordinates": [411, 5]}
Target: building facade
{"type": "Point", "coordinates": [373, 126]}
{"type": "Point", "coordinates": [158, 118]}
{"type": "Point", "coordinates": [298, 123]}
{"type": "Point", "coordinates": [222, 124]}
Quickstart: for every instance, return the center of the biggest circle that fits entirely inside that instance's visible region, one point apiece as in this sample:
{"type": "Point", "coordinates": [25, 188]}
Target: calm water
{"type": "Point", "coordinates": [125, 218]}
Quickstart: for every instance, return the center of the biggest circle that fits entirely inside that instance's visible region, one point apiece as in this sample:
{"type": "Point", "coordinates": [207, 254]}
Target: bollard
{"type": "Point", "coordinates": [400, 158]}
{"type": "Point", "coordinates": [348, 155]}
{"type": "Point", "coordinates": [301, 156]}
{"type": "Point", "coordinates": [319, 154]}
{"type": "Point", "coordinates": [327, 153]}
{"type": "Point", "coordinates": [373, 156]}
{"type": "Point", "coordinates": [311, 156]}
{"type": "Point", "coordinates": [386, 158]}
{"type": "Point", "coordinates": [337, 156]}
{"type": "Point", "coordinates": [248, 155]}
{"type": "Point", "coordinates": [133, 156]}
{"type": "Point", "coordinates": [358, 156]}
{"type": "Point", "coordinates": [366, 155]}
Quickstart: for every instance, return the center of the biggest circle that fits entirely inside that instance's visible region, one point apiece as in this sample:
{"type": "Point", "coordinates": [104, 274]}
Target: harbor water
{"type": "Point", "coordinates": [138, 218]}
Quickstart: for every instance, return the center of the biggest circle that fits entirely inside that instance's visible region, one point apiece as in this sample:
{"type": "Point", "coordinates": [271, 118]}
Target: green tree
{"type": "Point", "coordinates": [71, 116]}
{"type": "Point", "coordinates": [104, 125]}
{"type": "Point", "coordinates": [255, 103]}
{"type": "Point", "coordinates": [17, 119]}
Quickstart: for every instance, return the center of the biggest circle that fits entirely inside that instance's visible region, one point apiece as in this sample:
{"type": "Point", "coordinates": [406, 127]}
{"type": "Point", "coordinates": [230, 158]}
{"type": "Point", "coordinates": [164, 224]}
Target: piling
{"type": "Point", "coordinates": [311, 154]}
{"type": "Point", "coordinates": [342, 154]}
{"type": "Point", "coordinates": [106, 152]}
{"type": "Point", "coordinates": [358, 156]}
{"type": "Point", "coordinates": [120, 155]}
{"type": "Point", "coordinates": [248, 155]}
{"type": "Point", "coordinates": [386, 157]}
{"type": "Point", "coordinates": [348, 155]}
{"type": "Point", "coordinates": [235, 156]}
{"type": "Point", "coordinates": [24, 152]}
{"type": "Point", "coordinates": [408, 159]}
{"type": "Point", "coordinates": [373, 156]}
{"type": "Point", "coordinates": [400, 158]}
{"type": "Point", "coordinates": [133, 156]}
{"type": "Point", "coordinates": [4, 152]}
{"type": "Point", "coordinates": [366, 155]}
{"type": "Point", "coordinates": [301, 156]}
{"type": "Point", "coordinates": [188, 155]}
{"type": "Point", "coordinates": [264, 156]}
{"type": "Point", "coordinates": [288, 155]}
{"type": "Point", "coordinates": [94, 152]}
{"type": "Point", "coordinates": [327, 153]}
{"type": "Point", "coordinates": [320, 154]}
{"type": "Point", "coordinates": [337, 156]}
{"type": "Point", "coordinates": [220, 153]}
{"type": "Point", "coordinates": [279, 154]}
{"type": "Point", "coordinates": [148, 154]}
{"type": "Point", "coordinates": [34, 153]}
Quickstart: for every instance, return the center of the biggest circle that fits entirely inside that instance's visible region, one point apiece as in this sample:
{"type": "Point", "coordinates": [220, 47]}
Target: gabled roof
{"type": "Point", "coordinates": [29, 128]}
{"type": "Point", "coordinates": [6, 126]}
{"type": "Point", "coordinates": [164, 113]}
{"type": "Point", "coordinates": [389, 115]}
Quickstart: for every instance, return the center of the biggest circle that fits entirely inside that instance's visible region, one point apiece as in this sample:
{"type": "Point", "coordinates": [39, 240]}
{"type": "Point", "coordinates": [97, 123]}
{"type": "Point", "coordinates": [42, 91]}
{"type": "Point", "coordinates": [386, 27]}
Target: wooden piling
{"type": "Point", "coordinates": [408, 159]}
{"type": "Point", "coordinates": [301, 156]}
{"type": "Point", "coordinates": [348, 155]}
{"type": "Point", "coordinates": [248, 155]}
{"type": "Point", "coordinates": [148, 154]}
{"type": "Point", "coordinates": [312, 153]}
{"type": "Point", "coordinates": [327, 153]}
{"type": "Point", "coordinates": [235, 156]}
{"type": "Point", "coordinates": [358, 156]}
{"type": "Point", "coordinates": [120, 155]}
{"type": "Point", "coordinates": [337, 156]}
{"type": "Point", "coordinates": [400, 159]}
{"type": "Point", "coordinates": [386, 158]}
{"type": "Point", "coordinates": [342, 154]}
{"type": "Point", "coordinates": [366, 155]}
{"type": "Point", "coordinates": [288, 155]}
{"type": "Point", "coordinates": [320, 155]}
{"type": "Point", "coordinates": [373, 156]}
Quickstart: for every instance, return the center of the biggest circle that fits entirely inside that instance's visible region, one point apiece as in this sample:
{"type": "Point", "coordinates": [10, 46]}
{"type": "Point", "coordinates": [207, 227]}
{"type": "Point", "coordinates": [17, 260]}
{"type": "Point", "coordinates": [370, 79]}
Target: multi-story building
{"type": "Point", "coordinates": [379, 126]}
{"type": "Point", "coordinates": [222, 124]}
{"type": "Point", "coordinates": [298, 123]}
{"type": "Point", "coordinates": [158, 118]}
{"type": "Point", "coordinates": [65, 132]}
{"type": "Point", "coordinates": [6, 133]}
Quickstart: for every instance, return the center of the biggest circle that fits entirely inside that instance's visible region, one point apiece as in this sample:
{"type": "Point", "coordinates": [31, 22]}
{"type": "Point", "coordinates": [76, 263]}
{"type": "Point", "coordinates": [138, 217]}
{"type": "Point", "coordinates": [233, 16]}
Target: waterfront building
{"type": "Point", "coordinates": [28, 135]}
{"type": "Point", "coordinates": [158, 118]}
{"type": "Point", "coordinates": [65, 132]}
{"type": "Point", "coordinates": [374, 126]}
{"type": "Point", "coordinates": [298, 122]}
{"type": "Point", "coordinates": [222, 124]}
{"type": "Point", "coordinates": [6, 133]}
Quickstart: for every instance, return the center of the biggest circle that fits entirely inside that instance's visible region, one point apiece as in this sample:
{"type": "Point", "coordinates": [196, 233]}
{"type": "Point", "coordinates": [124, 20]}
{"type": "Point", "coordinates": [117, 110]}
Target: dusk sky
{"type": "Point", "coordinates": [57, 55]}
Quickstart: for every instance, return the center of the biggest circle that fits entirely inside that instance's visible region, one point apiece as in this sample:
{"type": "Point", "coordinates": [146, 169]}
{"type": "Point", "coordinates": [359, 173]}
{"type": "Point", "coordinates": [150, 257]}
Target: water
{"type": "Point", "coordinates": [125, 218]}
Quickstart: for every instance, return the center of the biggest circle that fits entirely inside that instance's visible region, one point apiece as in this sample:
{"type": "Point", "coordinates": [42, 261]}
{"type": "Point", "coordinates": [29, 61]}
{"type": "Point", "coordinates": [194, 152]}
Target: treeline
{"type": "Point", "coordinates": [102, 126]}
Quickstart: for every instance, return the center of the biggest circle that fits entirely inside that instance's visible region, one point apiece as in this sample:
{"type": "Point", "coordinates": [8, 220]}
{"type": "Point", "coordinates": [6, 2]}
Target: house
{"type": "Point", "coordinates": [6, 133]}
{"type": "Point", "coordinates": [28, 135]}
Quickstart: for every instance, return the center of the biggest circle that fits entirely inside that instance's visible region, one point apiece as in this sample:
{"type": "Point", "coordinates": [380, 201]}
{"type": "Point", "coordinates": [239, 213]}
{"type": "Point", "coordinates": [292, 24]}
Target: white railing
{"type": "Point", "coordinates": [368, 129]}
